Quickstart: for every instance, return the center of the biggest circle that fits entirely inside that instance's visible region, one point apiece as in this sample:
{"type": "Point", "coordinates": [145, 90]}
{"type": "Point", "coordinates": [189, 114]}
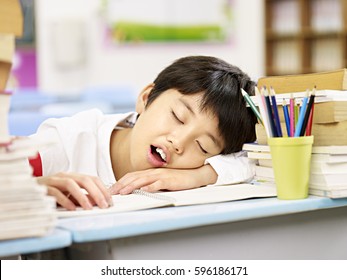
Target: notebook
{"type": "Point", "coordinates": [140, 200]}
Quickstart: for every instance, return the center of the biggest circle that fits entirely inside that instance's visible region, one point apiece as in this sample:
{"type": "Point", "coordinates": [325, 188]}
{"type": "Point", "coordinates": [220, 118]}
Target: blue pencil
{"type": "Point", "coordinates": [307, 113]}
{"type": "Point", "coordinates": [275, 111]}
{"type": "Point", "coordinates": [301, 116]}
{"type": "Point", "coordinates": [286, 116]}
{"type": "Point", "coordinates": [269, 112]}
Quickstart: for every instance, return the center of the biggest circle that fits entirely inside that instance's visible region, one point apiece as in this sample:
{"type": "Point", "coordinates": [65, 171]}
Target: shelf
{"type": "Point", "coordinates": [305, 36]}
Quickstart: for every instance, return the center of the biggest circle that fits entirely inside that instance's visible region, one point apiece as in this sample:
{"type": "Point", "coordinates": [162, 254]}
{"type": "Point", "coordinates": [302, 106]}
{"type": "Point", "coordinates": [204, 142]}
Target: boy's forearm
{"type": "Point", "coordinates": [206, 175]}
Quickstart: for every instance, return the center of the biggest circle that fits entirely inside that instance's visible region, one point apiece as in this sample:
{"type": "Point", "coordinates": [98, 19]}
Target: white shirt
{"type": "Point", "coordinates": [82, 145]}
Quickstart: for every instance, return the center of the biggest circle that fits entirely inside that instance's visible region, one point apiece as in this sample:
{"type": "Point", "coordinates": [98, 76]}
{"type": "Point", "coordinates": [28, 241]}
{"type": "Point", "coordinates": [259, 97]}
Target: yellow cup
{"type": "Point", "coordinates": [291, 159]}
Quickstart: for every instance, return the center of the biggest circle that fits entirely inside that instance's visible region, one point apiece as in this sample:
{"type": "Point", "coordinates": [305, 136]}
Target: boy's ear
{"type": "Point", "coordinates": [142, 98]}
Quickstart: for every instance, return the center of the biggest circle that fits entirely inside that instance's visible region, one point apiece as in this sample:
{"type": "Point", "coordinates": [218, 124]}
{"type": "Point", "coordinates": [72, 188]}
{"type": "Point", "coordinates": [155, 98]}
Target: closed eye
{"type": "Point", "coordinates": [176, 118]}
{"type": "Point", "coordinates": [201, 148]}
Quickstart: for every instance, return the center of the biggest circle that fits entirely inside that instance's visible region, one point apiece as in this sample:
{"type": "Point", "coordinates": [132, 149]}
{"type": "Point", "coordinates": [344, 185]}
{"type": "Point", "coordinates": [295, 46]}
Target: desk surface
{"type": "Point", "coordinates": [56, 239]}
{"type": "Point", "coordinates": [114, 226]}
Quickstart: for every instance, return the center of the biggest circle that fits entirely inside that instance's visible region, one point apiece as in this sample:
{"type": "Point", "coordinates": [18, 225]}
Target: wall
{"type": "Point", "coordinates": [88, 63]}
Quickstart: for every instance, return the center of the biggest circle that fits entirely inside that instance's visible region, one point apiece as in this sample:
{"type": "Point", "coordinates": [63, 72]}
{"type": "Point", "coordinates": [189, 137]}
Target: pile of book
{"type": "Point", "coordinates": [329, 124]}
{"type": "Point", "coordinates": [26, 210]}
{"type": "Point", "coordinates": [328, 175]}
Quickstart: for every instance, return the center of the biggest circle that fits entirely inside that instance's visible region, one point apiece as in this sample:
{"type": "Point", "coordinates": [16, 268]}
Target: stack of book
{"type": "Point", "coordinates": [26, 210]}
{"type": "Point", "coordinates": [328, 175]}
{"type": "Point", "coordinates": [329, 124]}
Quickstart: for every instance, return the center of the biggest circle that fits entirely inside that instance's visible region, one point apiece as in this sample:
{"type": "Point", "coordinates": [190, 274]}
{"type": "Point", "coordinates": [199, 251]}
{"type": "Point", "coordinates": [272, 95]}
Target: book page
{"type": "Point", "coordinates": [121, 203]}
{"type": "Point", "coordinates": [213, 194]}
{"type": "Point", "coordinates": [142, 200]}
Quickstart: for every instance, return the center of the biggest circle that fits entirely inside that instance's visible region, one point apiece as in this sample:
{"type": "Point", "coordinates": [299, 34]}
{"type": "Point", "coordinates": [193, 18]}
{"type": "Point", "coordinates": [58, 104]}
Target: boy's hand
{"type": "Point", "coordinates": [156, 179]}
{"type": "Point", "coordinates": [68, 189]}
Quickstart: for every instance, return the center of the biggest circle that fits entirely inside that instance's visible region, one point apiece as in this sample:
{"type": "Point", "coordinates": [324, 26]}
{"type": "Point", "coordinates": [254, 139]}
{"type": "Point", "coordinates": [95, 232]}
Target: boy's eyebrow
{"type": "Point", "coordinates": [190, 109]}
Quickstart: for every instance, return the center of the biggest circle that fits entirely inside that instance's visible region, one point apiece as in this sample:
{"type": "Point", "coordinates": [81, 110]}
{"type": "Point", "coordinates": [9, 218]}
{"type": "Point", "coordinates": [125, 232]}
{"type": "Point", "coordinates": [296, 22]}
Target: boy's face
{"type": "Point", "coordinates": [172, 132]}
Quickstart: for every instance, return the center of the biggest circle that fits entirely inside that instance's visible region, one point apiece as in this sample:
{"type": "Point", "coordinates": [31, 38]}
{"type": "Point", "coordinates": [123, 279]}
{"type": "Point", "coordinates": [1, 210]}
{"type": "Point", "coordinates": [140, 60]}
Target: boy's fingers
{"type": "Point", "coordinates": [93, 190]}
{"type": "Point", "coordinates": [61, 199]}
{"type": "Point", "coordinates": [137, 183]}
{"type": "Point", "coordinates": [67, 185]}
{"type": "Point", "coordinates": [116, 188]}
{"type": "Point", "coordinates": [104, 190]}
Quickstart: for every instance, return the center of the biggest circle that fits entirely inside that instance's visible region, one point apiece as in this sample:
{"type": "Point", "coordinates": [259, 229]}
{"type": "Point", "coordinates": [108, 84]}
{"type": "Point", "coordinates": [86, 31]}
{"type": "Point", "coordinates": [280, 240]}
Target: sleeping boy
{"type": "Point", "coordinates": [187, 131]}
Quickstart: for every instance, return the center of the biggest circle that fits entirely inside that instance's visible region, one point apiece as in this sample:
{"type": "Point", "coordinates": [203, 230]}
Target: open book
{"type": "Point", "coordinates": [140, 200]}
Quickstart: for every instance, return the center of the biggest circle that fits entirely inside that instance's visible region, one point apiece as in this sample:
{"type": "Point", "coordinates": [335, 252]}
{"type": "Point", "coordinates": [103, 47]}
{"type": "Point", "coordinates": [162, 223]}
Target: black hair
{"type": "Point", "coordinates": [220, 84]}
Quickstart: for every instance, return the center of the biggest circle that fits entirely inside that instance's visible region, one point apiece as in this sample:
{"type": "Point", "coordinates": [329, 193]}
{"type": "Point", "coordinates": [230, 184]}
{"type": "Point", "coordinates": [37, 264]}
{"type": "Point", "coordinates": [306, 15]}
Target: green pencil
{"type": "Point", "coordinates": [251, 104]}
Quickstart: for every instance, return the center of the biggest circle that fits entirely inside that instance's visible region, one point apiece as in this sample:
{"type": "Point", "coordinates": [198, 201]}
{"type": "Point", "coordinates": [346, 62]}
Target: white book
{"type": "Point", "coordinates": [33, 204]}
{"type": "Point", "coordinates": [26, 213]}
{"type": "Point", "coordinates": [329, 158]}
{"type": "Point", "coordinates": [263, 171]}
{"type": "Point", "coordinates": [332, 180]}
{"type": "Point", "coordinates": [318, 179]}
{"type": "Point", "coordinates": [4, 109]}
{"type": "Point", "coordinates": [320, 96]}
{"type": "Point", "coordinates": [317, 167]}
{"type": "Point", "coordinates": [139, 200]}
{"type": "Point", "coordinates": [329, 193]}
{"type": "Point", "coordinates": [259, 155]}
{"type": "Point", "coordinates": [265, 162]}
{"type": "Point", "coordinates": [328, 168]}
{"type": "Point", "coordinates": [315, 159]}
{"type": "Point", "coordinates": [328, 188]}
{"type": "Point", "coordinates": [28, 230]}
{"type": "Point", "coordinates": [331, 150]}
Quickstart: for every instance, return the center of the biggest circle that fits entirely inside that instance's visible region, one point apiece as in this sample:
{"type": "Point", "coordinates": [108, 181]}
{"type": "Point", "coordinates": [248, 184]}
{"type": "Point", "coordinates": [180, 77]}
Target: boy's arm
{"type": "Point", "coordinates": [156, 179]}
{"type": "Point", "coordinates": [232, 168]}
{"type": "Point", "coordinates": [228, 169]}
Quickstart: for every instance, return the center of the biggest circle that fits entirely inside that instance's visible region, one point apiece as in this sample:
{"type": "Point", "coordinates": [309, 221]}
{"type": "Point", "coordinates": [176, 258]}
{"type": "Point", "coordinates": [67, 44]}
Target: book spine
{"type": "Point", "coordinates": [155, 196]}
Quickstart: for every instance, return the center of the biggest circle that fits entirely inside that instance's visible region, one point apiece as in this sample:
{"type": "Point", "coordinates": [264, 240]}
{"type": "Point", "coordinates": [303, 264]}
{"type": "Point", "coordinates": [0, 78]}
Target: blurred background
{"type": "Point", "coordinates": [78, 54]}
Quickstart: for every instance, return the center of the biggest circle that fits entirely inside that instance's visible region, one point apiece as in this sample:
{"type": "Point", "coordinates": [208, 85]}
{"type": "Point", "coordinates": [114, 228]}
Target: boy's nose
{"type": "Point", "coordinates": [177, 144]}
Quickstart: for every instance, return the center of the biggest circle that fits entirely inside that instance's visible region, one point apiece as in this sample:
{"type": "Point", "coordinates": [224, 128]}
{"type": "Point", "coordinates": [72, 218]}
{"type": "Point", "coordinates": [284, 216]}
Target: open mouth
{"type": "Point", "coordinates": [158, 153]}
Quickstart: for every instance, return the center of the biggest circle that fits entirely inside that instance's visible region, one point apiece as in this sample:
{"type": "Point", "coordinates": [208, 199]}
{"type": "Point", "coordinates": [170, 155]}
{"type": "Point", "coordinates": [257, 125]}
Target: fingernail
{"type": "Point", "coordinates": [104, 204]}
{"type": "Point", "coordinates": [89, 205]}
{"type": "Point", "coordinates": [122, 191]}
{"type": "Point", "coordinates": [110, 202]}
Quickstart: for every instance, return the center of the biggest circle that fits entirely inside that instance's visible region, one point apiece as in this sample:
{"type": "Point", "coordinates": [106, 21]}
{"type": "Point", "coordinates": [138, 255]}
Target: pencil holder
{"type": "Point", "coordinates": [291, 158]}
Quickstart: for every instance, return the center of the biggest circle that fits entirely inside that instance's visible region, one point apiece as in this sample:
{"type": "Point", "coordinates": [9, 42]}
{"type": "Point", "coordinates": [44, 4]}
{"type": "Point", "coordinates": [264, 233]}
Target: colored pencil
{"type": "Point", "coordinates": [270, 114]}
{"type": "Point", "coordinates": [300, 121]}
{"type": "Point", "coordinates": [296, 113]}
{"type": "Point", "coordinates": [292, 116]}
{"type": "Point", "coordinates": [310, 121]}
{"type": "Point", "coordinates": [275, 112]}
{"type": "Point", "coordinates": [286, 116]}
{"type": "Point", "coordinates": [261, 106]}
{"type": "Point", "coordinates": [307, 114]}
{"type": "Point", "coordinates": [251, 104]}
